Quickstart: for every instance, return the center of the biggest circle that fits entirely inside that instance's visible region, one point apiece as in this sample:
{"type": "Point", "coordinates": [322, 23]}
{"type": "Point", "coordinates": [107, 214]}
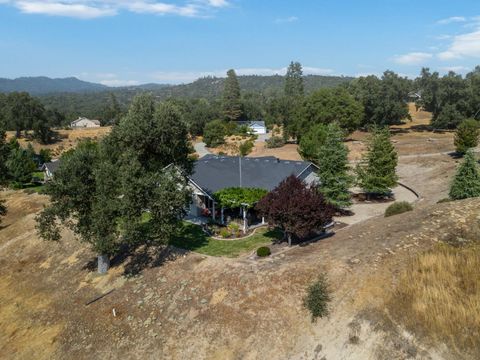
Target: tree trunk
{"type": "Point", "coordinates": [289, 236]}
{"type": "Point", "coordinates": [103, 264]}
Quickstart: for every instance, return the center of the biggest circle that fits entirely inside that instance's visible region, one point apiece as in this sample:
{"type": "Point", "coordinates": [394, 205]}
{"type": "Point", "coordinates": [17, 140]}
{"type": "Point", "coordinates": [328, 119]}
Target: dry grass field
{"type": "Point", "coordinates": [67, 139]}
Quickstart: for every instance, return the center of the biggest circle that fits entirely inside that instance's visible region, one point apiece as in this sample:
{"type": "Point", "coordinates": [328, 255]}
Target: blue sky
{"type": "Point", "coordinates": [121, 42]}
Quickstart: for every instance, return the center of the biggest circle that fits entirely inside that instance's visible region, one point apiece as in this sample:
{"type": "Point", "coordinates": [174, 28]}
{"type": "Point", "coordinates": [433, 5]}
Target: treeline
{"type": "Point", "coordinates": [207, 89]}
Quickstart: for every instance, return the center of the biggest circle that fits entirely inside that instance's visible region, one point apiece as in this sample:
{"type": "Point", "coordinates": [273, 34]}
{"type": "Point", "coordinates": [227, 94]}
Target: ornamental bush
{"type": "Point", "coordinates": [398, 208]}
{"type": "Point", "coordinates": [275, 142]}
{"type": "Point", "coordinates": [225, 233]}
{"type": "Point", "coordinates": [317, 298]}
{"type": "Point", "coordinates": [466, 135]}
{"type": "Point", "coordinates": [263, 251]}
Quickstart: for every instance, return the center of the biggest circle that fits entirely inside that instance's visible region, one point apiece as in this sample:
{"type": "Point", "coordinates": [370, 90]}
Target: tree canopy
{"type": "Point", "coordinates": [295, 208]}
{"type": "Point", "coordinates": [294, 87]}
{"type": "Point", "coordinates": [466, 136]}
{"type": "Point", "coordinates": [237, 197]}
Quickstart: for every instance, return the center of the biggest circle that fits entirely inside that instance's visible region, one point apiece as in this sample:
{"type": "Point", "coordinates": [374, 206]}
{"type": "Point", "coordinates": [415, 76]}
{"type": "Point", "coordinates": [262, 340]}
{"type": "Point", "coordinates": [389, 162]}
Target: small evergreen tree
{"type": "Point", "coordinates": [20, 166]}
{"type": "Point", "coordinates": [376, 173]}
{"type": "Point", "coordinates": [232, 106]}
{"type": "Point", "coordinates": [214, 133]}
{"type": "Point", "coordinates": [466, 183]}
{"type": "Point", "coordinates": [466, 135]}
{"type": "Point", "coordinates": [332, 161]}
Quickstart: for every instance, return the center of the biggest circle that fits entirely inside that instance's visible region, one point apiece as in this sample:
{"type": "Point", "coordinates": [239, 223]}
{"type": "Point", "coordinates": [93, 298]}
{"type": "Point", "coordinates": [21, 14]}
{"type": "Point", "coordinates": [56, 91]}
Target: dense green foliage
{"type": "Point", "coordinates": [214, 133]}
{"type": "Point", "coordinates": [376, 173]}
{"type": "Point", "coordinates": [312, 141]}
{"type": "Point", "coordinates": [317, 298]}
{"type": "Point", "coordinates": [233, 198]}
{"type": "Point", "coordinates": [263, 251]}
{"type": "Point", "coordinates": [20, 165]}
{"type": "Point", "coordinates": [466, 135]}
{"type": "Point", "coordinates": [466, 183]}
{"type": "Point", "coordinates": [324, 107]}
{"type": "Point", "coordinates": [106, 188]}
{"type": "Point", "coordinates": [21, 112]}
{"type": "Point", "coordinates": [231, 100]}
{"type": "Point", "coordinates": [450, 98]}
{"type": "Point", "coordinates": [398, 208]}
{"type": "Point", "coordinates": [333, 170]}
{"type": "Point", "coordinates": [384, 100]}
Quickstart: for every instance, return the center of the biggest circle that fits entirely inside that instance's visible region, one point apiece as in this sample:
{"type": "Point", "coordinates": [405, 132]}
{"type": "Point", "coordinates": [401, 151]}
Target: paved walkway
{"type": "Point", "coordinates": [367, 210]}
{"type": "Point", "coordinates": [201, 149]}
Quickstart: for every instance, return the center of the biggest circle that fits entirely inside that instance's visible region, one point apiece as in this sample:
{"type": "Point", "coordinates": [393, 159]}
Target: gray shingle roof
{"type": "Point", "coordinates": [213, 173]}
{"type": "Point", "coordinates": [52, 166]}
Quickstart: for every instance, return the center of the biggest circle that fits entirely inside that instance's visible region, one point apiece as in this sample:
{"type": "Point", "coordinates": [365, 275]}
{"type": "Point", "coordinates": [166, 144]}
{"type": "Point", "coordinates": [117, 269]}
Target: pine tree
{"type": "Point", "coordinates": [332, 161]}
{"type": "Point", "coordinates": [20, 166]}
{"type": "Point", "coordinates": [232, 107]}
{"type": "Point", "coordinates": [466, 136]}
{"type": "Point", "coordinates": [376, 173]}
{"type": "Point", "coordinates": [294, 81]}
{"type": "Point", "coordinates": [466, 183]}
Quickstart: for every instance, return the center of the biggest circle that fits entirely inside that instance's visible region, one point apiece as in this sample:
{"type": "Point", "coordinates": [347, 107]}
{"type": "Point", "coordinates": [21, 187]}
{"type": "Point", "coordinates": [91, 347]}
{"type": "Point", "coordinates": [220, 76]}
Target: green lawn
{"type": "Point", "coordinates": [193, 238]}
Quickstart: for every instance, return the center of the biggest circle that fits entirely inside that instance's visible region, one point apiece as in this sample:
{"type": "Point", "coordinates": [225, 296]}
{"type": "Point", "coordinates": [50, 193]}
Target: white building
{"type": "Point", "coordinates": [82, 122]}
{"type": "Point", "coordinates": [256, 127]}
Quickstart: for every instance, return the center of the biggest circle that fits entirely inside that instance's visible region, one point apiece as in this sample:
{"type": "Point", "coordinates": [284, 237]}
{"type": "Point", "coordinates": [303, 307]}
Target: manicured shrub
{"type": "Point", "coordinates": [317, 298]}
{"type": "Point", "coordinates": [398, 208]}
{"type": "Point", "coordinates": [263, 251]}
{"type": "Point", "coordinates": [225, 233]}
{"type": "Point", "coordinates": [245, 148]}
{"type": "Point", "coordinates": [233, 227]}
{"type": "Point", "coordinates": [275, 142]}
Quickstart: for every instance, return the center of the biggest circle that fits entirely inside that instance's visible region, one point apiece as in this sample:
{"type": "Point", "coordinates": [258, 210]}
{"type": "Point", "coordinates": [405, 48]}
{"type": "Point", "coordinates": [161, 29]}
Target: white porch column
{"type": "Point", "coordinates": [263, 220]}
{"type": "Point", "coordinates": [244, 221]}
{"type": "Point", "coordinates": [213, 210]}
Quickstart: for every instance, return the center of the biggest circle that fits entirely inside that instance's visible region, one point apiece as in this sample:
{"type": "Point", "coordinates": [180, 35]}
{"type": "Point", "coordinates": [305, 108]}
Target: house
{"type": "Point", "coordinates": [213, 173]}
{"type": "Point", "coordinates": [82, 122]}
{"type": "Point", "coordinates": [49, 169]}
{"type": "Point", "coordinates": [256, 127]}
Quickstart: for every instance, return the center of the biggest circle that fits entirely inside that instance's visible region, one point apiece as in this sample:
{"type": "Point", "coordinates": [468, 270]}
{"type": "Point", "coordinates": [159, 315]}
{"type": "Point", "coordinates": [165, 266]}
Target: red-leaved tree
{"type": "Point", "coordinates": [295, 208]}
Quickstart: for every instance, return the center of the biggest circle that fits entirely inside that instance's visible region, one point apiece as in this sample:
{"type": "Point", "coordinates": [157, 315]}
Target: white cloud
{"type": "Point", "coordinates": [119, 82]}
{"type": "Point", "coordinates": [289, 19]}
{"type": "Point", "coordinates": [413, 58]}
{"type": "Point", "coordinates": [464, 45]}
{"type": "Point", "coordinates": [452, 19]}
{"type": "Point", "coordinates": [90, 9]}
{"type": "Point", "coordinates": [77, 10]}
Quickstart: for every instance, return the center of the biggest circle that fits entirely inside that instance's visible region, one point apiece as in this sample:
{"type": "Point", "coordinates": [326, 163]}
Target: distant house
{"type": "Point", "coordinates": [257, 127]}
{"type": "Point", "coordinates": [213, 173]}
{"type": "Point", "coordinates": [82, 122]}
{"type": "Point", "coordinates": [49, 169]}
